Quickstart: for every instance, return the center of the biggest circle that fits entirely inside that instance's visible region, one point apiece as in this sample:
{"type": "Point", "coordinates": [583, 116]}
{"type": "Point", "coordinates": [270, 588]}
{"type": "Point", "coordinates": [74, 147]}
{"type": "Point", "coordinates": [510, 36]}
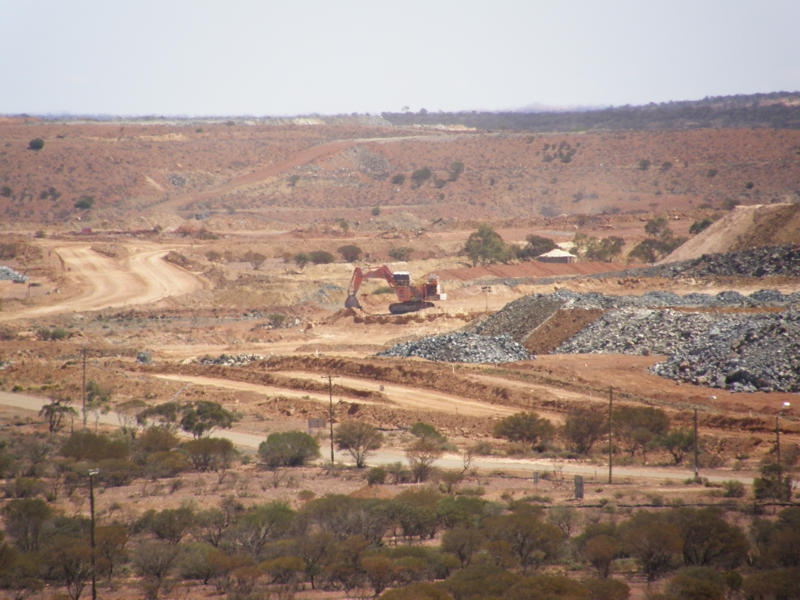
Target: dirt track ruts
{"type": "Point", "coordinates": [144, 277]}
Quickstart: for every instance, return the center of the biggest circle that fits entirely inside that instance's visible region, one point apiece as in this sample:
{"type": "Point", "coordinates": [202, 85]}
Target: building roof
{"type": "Point", "coordinates": [557, 253]}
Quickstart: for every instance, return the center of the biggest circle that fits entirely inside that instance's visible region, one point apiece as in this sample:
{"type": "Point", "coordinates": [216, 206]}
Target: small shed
{"type": "Point", "coordinates": [556, 256]}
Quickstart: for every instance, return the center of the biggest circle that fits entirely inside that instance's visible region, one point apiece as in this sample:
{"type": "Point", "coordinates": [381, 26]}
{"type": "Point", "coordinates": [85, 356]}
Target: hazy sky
{"type": "Point", "coordinates": [248, 57]}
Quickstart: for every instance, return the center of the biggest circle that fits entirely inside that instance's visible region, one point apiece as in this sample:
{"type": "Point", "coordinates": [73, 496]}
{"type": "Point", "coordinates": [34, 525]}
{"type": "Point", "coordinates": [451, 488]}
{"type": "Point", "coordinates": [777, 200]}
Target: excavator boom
{"type": "Point", "coordinates": [412, 297]}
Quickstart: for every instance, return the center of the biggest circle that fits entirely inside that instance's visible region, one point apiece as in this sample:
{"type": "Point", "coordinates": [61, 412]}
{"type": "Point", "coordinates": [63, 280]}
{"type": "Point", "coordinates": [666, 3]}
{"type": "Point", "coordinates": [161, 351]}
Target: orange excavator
{"type": "Point", "coordinates": [412, 297]}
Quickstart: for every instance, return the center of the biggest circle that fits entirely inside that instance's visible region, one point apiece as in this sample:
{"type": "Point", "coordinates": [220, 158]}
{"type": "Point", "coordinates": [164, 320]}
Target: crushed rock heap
{"type": "Point", "coordinates": [230, 360]}
{"type": "Point", "coordinates": [742, 353]}
{"type": "Point", "coordinates": [739, 352]}
{"type": "Point", "coordinates": [462, 347]}
{"type": "Point", "coordinates": [521, 317]}
{"type": "Point", "coordinates": [9, 274]}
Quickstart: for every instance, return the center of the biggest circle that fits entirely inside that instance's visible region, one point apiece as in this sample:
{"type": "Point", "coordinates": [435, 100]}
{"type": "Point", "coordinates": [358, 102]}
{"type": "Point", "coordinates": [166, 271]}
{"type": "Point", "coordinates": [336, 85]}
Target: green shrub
{"type": "Point", "coordinates": [420, 176]}
{"type": "Point", "coordinates": [320, 257]}
{"type": "Point", "coordinates": [166, 464]}
{"type": "Point", "coordinates": [117, 472]}
{"type": "Point", "coordinates": [36, 144]}
{"type": "Point", "coordinates": [289, 449]}
{"type": "Point", "coordinates": [711, 173]}
{"type": "Point", "coordinates": [699, 226]}
{"type": "Point", "coordinates": [85, 203]}
{"type": "Point", "coordinates": [456, 169]}
{"type": "Point", "coordinates": [85, 445]}
{"type": "Point", "coordinates": [733, 489]}
{"type": "Point", "coordinates": [730, 203]}
{"type": "Point", "coordinates": [376, 476]}
{"type": "Point", "coordinates": [376, 211]}
{"type": "Point", "coordinates": [398, 179]}
{"type": "Point", "coordinates": [350, 252]}
{"type": "Point", "coordinates": [403, 253]}
{"type": "Point", "coordinates": [643, 164]}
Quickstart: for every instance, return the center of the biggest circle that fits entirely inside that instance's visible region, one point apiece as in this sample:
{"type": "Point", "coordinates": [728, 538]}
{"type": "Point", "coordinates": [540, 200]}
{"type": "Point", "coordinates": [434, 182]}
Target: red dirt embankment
{"type": "Point", "coordinates": [529, 269]}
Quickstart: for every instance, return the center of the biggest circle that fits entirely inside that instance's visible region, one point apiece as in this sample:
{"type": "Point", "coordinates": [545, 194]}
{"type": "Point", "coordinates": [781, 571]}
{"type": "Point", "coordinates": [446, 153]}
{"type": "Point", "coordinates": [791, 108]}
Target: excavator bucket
{"type": "Point", "coordinates": [352, 302]}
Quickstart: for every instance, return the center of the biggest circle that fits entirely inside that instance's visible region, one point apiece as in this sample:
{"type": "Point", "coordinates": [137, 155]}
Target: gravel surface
{"type": "Point", "coordinates": [462, 347]}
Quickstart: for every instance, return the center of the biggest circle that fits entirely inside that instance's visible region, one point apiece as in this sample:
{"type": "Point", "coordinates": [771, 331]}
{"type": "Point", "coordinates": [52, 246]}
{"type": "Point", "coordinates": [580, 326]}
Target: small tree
{"type": "Point", "coordinates": [486, 246]}
{"type": "Point", "coordinates": [288, 449]}
{"type": "Point", "coordinates": [301, 259]}
{"type": "Point", "coordinates": [202, 417]}
{"type": "Point", "coordinates": [403, 253]}
{"type": "Point", "coordinates": [55, 412]}
{"type": "Point", "coordinates": [71, 558]}
{"type": "Point", "coordinates": [655, 543]}
{"type": "Point", "coordinates": [154, 562]}
{"type": "Point", "coordinates": [398, 179]}
{"type": "Point", "coordinates": [359, 439]}
{"type": "Point", "coordinates": [536, 246]}
{"type": "Point", "coordinates": [678, 442]}
{"type": "Point", "coordinates": [421, 455]}
{"type": "Point", "coordinates": [111, 541]}
{"type": "Point", "coordinates": [583, 428]}
{"type": "Point", "coordinates": [256, 259]}
{"type": "Point", "coordinates": [376, 211]}
{"type": "Point", "coordinates": [523, 427]}
{"type": "Point", "coordinates": [207, 453]}
{"type": "Point", "coordinates": [773, 483]}
{"type": "Point", "coordinates": [36, 144]}
{"type": "Point", "coordinates": [350, 252]}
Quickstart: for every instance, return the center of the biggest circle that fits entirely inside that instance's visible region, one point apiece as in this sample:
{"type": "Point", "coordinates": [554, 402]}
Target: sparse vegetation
{"type": "Point", "coordinates": [36, 144]}
{"type": "Point", "coordinates": [85, 203]}
{"type": "Point", "coordinates": [402, 253]}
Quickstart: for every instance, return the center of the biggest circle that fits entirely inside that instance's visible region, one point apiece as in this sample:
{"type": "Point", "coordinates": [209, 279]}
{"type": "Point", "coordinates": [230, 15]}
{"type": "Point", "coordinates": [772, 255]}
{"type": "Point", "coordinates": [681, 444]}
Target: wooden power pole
{"type": "Point", "coordinates": [610, 432]}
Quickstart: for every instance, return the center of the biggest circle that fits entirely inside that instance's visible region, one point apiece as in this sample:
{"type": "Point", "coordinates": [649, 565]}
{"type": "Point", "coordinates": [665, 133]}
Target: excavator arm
{"type": "Point", "coordinates": [382, 272]}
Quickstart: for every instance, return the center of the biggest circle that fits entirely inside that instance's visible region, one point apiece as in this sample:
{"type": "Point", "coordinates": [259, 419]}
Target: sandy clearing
{"type": "Point", "coordinates": [144, 277]}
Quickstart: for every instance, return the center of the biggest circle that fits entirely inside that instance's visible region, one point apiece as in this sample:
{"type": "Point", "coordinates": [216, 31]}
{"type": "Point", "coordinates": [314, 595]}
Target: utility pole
{"type": "Point", "coordinates": [92, 473]}
{"type": "Point", "coordinates": [610, 432]}
{"type": "Point", "coordinates": [696, 466]}
{"type": "Point", "coordinates": [83, 388]}
{"type": "Point", "coordinates": [785, 406]}
{"type": "Point", "coordinates": [330, 378]}
{"type": "Point", "coordinates": [778, 445]}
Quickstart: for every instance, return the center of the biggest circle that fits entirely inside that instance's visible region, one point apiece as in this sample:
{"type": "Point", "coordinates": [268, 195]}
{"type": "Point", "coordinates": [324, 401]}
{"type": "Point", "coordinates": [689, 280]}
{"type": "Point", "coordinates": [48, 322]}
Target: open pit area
{"type": "Point", "coordinates": [180, 284]}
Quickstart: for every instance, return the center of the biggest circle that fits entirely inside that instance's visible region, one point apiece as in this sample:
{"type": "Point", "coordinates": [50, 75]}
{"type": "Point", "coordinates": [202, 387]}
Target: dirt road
{"type": "Point", "coordinates": [142, 278]}
{"type": "Point", "coordinates": [417, 398]}
{"type": "Point", "coordinates": [249, 441]}
{"type": "Point", "coordinates": [403, 397]}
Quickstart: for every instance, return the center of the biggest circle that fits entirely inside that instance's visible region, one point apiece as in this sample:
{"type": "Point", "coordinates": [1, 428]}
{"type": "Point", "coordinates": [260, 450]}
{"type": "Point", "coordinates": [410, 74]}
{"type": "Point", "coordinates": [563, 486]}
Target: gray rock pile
{"type": "Point", "coordinates": [639, 331]}
{"type": "Point", "coordinates": [520, 317]}
{"type": "Point", "coordinates": [9, 274]}
{"type": "Point", "coordinates": [742, 353]}
{"type": "Point", "coordinates": [739, 352]}
{"type": "Point", "coordinates": [462, 347]}
{"type": "Point", "coordinates": [231, 360]}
